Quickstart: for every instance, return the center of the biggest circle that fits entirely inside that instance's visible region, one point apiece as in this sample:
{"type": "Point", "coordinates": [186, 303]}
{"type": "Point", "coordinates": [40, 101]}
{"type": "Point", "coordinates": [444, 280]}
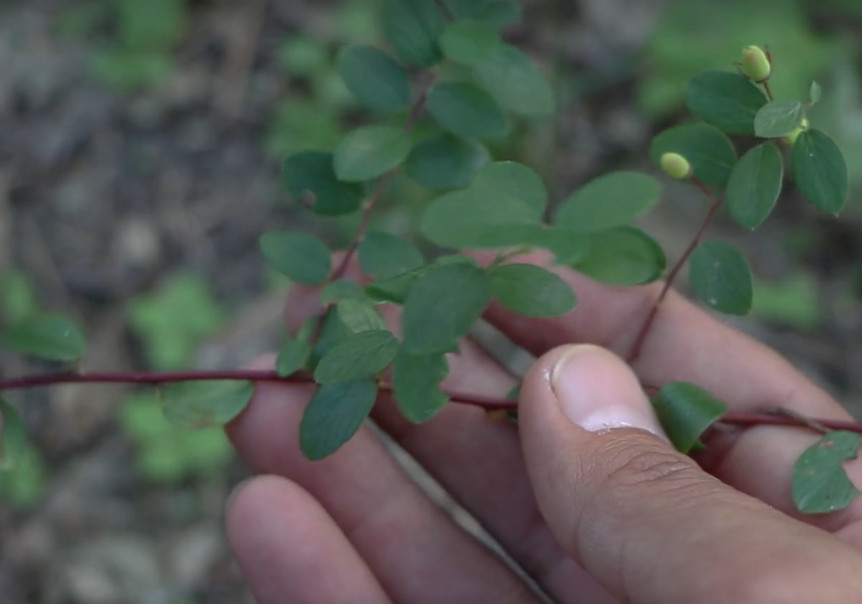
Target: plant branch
{"type": "Point", "coordinates": [714, 205]}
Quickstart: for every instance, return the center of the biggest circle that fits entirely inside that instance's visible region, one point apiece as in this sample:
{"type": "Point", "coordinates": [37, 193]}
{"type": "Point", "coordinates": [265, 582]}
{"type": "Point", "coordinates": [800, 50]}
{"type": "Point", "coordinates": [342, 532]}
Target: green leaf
{"type": "Point", "coordinates": [394, 289]}
{"type": "Point", "coordinates": [819, 171]}
{"type": "Point", "coordinates": [334, 414]}
{"type": "Point", "coordinates": [728, 101]}
{"type": "Point", "coordinates": [292, 357]}
{"type": "Point", "coordinates": [446, 161]}
{"type": "Point", "coordinates": [13, 436]}
{"type": "Point", "coordinates": [815, 93]}
{"type": "Point", "coordinates": [496, 13]}
{"type": "Point", "coordinates": [206, 403]}
{"type": "Point", "coordinates": [312, 173]}
{"type": "Point", "coordinates": [442, 306]}
{"type": "Point", "coordinates": [341, 289]}
{"type": "Point", "coordinates": [413, 28]}
{"type": "Point", "coordinates": [531, 290]}
{"type": "Point", "coordinates": [356, 357]}
{"type": "Point", "coordinates": [685, 412]}
{"type": "Point", "coordinates": [416, 383]}
{"type": "Point", "coordinates": [622, 256]}
{"type": "Point", "coordinates": [382, 255]}
{"type": "Point", "coordinates": [707, 149]}
{"type": "Point", "coordinates": [567, 246]}
{"type": "Point", "coordinates": [360, 315]}
{"type": "Point", "coordinates": [720, 277]}
{"type": "Point", "coordinates": [468, 42]}
{"type": "Point", "coordinates": [778, 118]}
{"type": "Point", "coordinates": [48, 336]}
{"type": "Point", "coordinates": [515, 83]}
{"type": "Point", "coordinates": [511, 179]}
{"type": "Point", "coordinates": [333, 332]}
{"type": "Point", "coordinates": [370, 151]}
{"type": "Point", "coordinates": [754, 185]}
{"type": "Point", "coordinates": [609, 201]}
{"type": "Point", "coordinates": [466, 110]}
{"type": "Point", "coordinates": [374, 78]}
{"type": "Point", "coordinates": [820, 484]}
{"type": "Point", "coordinates": [302, 257]}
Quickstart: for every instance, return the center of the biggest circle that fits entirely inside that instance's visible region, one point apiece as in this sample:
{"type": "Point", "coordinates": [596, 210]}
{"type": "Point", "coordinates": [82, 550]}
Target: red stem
{"type": "Point", "coordinates": [714, 205]}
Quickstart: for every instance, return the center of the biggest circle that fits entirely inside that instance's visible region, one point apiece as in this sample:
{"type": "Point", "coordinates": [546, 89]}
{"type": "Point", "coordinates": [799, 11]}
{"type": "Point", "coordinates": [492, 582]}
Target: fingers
{"type": "Point", "coordinates": [290, 550]}
{"type": "Point", "coordinates": [647, 522]}
{"type": "Point", "coordinates": [407, 542]}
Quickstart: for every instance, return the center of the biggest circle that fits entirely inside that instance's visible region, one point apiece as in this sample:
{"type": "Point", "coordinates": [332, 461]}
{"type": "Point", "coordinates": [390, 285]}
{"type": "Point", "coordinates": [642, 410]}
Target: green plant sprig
{"type": "Point", "coordinates": [347, 349]}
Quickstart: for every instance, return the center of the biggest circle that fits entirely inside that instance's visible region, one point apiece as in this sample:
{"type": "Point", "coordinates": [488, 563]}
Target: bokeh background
{"type": "Point", "coordinates": [140, 145]}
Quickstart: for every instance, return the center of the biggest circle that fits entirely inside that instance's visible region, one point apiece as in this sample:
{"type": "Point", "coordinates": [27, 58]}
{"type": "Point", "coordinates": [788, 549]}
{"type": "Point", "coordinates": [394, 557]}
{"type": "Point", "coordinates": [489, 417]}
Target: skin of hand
{"type": "Point", "coordinates": [585, 493]}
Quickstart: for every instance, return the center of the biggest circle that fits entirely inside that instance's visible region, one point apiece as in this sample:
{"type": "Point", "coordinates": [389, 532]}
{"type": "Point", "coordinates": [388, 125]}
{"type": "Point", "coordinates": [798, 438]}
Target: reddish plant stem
{"type": "Point", "coordinates": [774, 417]}
{"type": "Point", "coordinates": [714, 205]}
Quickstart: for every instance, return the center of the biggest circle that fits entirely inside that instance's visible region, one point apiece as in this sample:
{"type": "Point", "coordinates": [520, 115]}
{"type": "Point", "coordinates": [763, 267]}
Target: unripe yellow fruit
{"type": "Point", "coordinates": [790, 139]}
{"type": "Point", "coordinates": [675, 165]}
{"type": "Point", "coordinates": [755, 64]}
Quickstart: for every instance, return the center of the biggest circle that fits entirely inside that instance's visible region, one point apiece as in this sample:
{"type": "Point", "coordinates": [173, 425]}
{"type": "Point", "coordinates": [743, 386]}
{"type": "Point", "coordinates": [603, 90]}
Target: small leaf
{"type": "Point", "coordinates": [511, 179]}
{"type": "Point", "coordinates": [566, 245]}
{"type": "Point", "coordinates": [356, 357]}
{"type": "Point", "coordinates": [302, 257]}
{"type": "Point", "coordinates": [468, 42]}
{"type": "Point", "coordinates": [360, 315]}
{"type": "Point", "coordinates": [531, 290]}
{"type": "Point", "coordinates": [820, 484]}
{"type": "Point", "coordinates": [446, 161]}
{"type": "Point", "coordinates": [13, 436]}
{"type": "Point", "coordinates": [710, 152]}
{"type": "Point", "coordinates": [819, 171]}
{"type": "Point", "coordinates": [394, 289]}
{"type": "Point", "coordinates": [685, 412]}
{"type": "Point", "coordinates": [413, 28]}
{"type": "Point", "coordinates": [495, 13]}
{"type": "Point", "coordinates": [442, 306]}
{"type": "Point", "coordinates": [622, 256]}
{"type": "Point", "coordinates": [312, 172]}
{"type": "Point", "coordinates": [608, 201]}
{"type": "Point", "coordinates": [382, 255]}
{"type": "Point", "coordinates": [725, 100]}
{"type": "Point", "coordinates": [207, 403]}
{"type": "Point", "coordinates": [754, 185]}
{"type": "Point", "coordinates": [341, 289]}
{"type": "Point", "coordinates": [516, 84]}
{"type": "Point", "coordinates": [778, 118]}
{"type": "Point", "coordinates": [814, 93]}
{"type": "Point", "coordinates": [466, 110]}
{"type": "Point", "coordinates": [334, 414]}
{"type": "Point", "coordinates": [374, 78]}
{"type": "Point", "coordinates": [721, 278]}
{"type": "Point", "coordinates": [292, 357]}
{"type": "Point", "coordinates": [370, 151]}
{"type": "Point", "coordinates": [416, 383]}
{"type": "Point", "coordinates": [48, 336]}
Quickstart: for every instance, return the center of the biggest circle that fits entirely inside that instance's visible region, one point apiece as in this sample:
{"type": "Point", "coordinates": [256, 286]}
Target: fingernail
{"type": "Point", "coordinates": [598, 391]}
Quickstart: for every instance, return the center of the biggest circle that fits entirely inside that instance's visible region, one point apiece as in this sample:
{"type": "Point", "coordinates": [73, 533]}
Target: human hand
{"type": "Point", "coordinates": [601, 514]}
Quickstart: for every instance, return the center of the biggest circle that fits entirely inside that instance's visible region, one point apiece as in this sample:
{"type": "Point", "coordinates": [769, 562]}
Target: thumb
{"type": "Point", "coordinates": [646, 521]}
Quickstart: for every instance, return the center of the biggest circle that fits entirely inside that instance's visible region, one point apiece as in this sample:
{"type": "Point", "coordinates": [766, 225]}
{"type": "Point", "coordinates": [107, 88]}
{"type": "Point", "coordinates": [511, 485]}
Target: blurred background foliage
{"type": "Point", "coordinates": [140, 161]}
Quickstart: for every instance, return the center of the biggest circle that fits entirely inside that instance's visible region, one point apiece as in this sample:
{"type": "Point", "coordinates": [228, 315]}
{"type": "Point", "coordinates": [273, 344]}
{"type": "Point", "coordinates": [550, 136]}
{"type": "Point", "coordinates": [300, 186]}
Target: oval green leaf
{"type": "Point", "coordinates": [622, 256]}
{"type": "Point", "coordinates": [496, 13]}
{"type": "Point", "coordinates": [609, 201]}
{"type": "Point", "coordinates": [442, 306]}
{"type": "Point", "coordinates": [374, 78]}
{"type": "Point", "coordinates": [341, 289]}
{"type": "Point", "coordinates": [292, 357]}
{"type": "Point", "coordinates": [778, 118]}
{"type": "Point", "coordinates": [312, 173]}
{"type": "Point", "coordinates": [446, 161]}
{"type": "Point", "coordinates": [531, 290]}
{"type": "Point", "coordinates": [302, 257]}
{"type": "Point", "coordinates": [725, 100]}
{"type": "Point", "coordinates": [721, 278]}
{"type": "Point", "coordinates": [819, 171]}
{"type": "Point", "coordinates": [511, 179]}
{"type": "Point", "coordinates": [820, 484]}
{"type": "Point", "coordinates": [466, 110]}
{"type": "Point", "coordinates": [710, 153]}
{"type": "Point", "coordinates": [369, 152]}
{"type": "Point", "coordinates": [416, 383]}
{"type": "Point", "coordinates": [356, 357]}
{"type": "Point", "coordinates": [207, 403]}
{"type": "Point", "coordinates": [382, 255]}
{"type": "Point", "coordinates": [515, 83]}
{"type": "Point", "coordinates": [469, 42]}
{"type": "Point", "coordinates": [334, 414]}
{"type": "Point", "coordinates": [685, 411]}
{"type": "Point", "coordinates": [754, 185]}
{"type": "Point", "coordinates": [13, 436]}
{"type": "Point", "coordinates": [48, 336]}
{"type": "Point", "coordinates": [413, 28]}
{"type": "Point", "coordinates": [360, 315]}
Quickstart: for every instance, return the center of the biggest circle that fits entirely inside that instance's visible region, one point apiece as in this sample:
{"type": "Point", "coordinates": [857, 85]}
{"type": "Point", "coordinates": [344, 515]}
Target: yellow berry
{"type": "Point", "coordinates": [675, 165]}
{"type": "Point", "coordinates": [790, 139]}
{"type": "Point", "coordinates": [755, 64]}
